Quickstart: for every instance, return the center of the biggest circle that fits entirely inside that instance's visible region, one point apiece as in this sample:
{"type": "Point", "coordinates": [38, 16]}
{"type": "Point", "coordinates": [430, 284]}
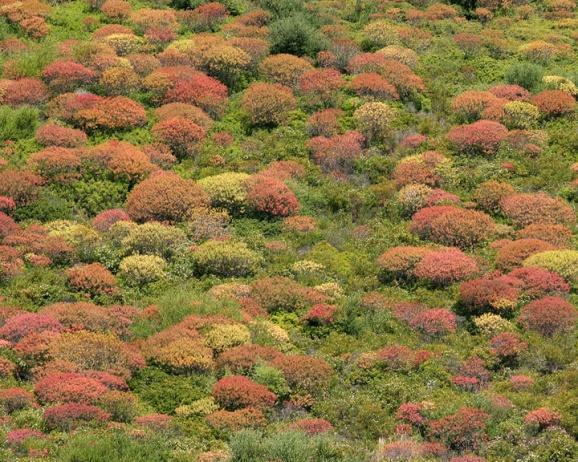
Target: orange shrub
{"type": "Point", "coordinates": [513, 253]}
{"type": "Point", "coordinates": [270, 196]}
{"type": "Point", "coordinates": [319, 86]}
{"type": "Point", "coordinates": [481, 137]}
{"type": "Point", "coordinates": [165, 197]}
{"type": "Point", "coordinates": [181, 135]}
{"type": "Point", "coordinates": [92, 278]}
{"type": "Point", "coordinates": [116, 113]}
{"type": "Point", "coordinates": [51, 134]}
{"type": "Point", "coordinates": [267, 104]}
{"type": "Point", "coordinates": [284, 69]}
{"type": "Point", "coordinates": [524, 209]}
{"type": "Point", "coordinates": [445, 266]}
{"type": "Point", "coordinates": [63, 76]}
{"type": "Point", "coordinates": [553, 103]}
{"type": "Point", "coordinates": [304, 372]}
{"type": "Point", "coordinates": [237, 391]}
{"type": "Point", "coordinates": [557, 235]}
{"type": "Point", "coordinates": [373, 85]}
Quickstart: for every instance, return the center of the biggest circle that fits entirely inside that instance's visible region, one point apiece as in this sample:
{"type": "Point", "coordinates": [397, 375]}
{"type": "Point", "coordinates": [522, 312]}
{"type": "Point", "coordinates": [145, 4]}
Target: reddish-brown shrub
{"type": "Point", "coordinates": [21, 185]}
{"type": "Point", "coordinates": [399, 262]}
{"type": "Point", "coordinates": [338, 153]}
{"type": "Point", "coordinates": [242, 358]}
{"type": "Point", "coordinates": [180, 134]}
{"type": "Point", "coordinates": [312, 426]}
{"type": "Point", "coordinates": [507, 345]}
{"type": "Point", "coordinates": [557, 235]}
{"type": "Point", "coordinates": [18, 438]}
{"type": "Point", "coordinates": [15, 398]}
{"type": "Point", "coordinates": [24, 324]}
{"type": "Point", "coordinates": [56, 135]}
{"type": "Point", "coordinates": [116, 9]}
{"type": "Point", "coordinates": [280, 293]}
{"type": "Point", "coordinates": [320, 313]}
{"type": "Point", "coordinates": [318, 86]}
{"type": "Point", "coordinates": [481, 137]}
{"type": "Point", "coordinates": [165, 197]}
{"type": "Point", "coordinates": [373, 85]}
{"type": "Point", "coordinates": [548, 316]}
{"type": "Point", "coordinates": [445, 266]}
{"type": "Point", "coordinates": [105, 219]}
{"type": "Point", "coordinates": [156, 422]}
{"type": "Point", "coordinates": [539, 282]}
{"type": "Point", "coordinates": [470, 104]}
{"type": "Point", "coordinates": [122, 160]}
{"type": "Point", "coordinates": [521, 382]}
{"type": "Point", "coordinates": [267, 104]}
{"type": "Point", "coordinates": [7, 225]}
{"type": "Point", "coordinates": [284, 69]}
{"type": "Point", "coordinates": [465, 429]}
{"type": "Point", "coordinates": [510, 92]}
{"type": "Point", "coordinates": [304, 372]}
{"type": "Point", "coordinates": [67, 105]}
{"type": "Point", "coordinates": [115, 113]}
{"type": "Point", "coordinates": [68, 387]}
{"type": "Point", "coordinates": [324, 123]}
{"type": "Point", "coordinates": [489, 294]}
{"type": "Point", "coordinates": [418, 170]}
{"type": "Point", "coordinates": [489, 194]}
{"type": "Point", "coordinates": [206, 16]}
{"type": "Point", "coordinates": [553, 103]}
{"type": "Point", "coordinates": [200, 90]}
{"type": "Point", "coordinates": [56, 164]}
{"type": "Point", "coordinates": [24, 91]}
{"type": "Point", "coordinates": [237, 420]}
{"type": "Point", "coordinates": [435, 322]}
{"type": "Point", "coordinates": [411, 413]}
{"type": "Point", "coordinates": [92, 278]}
{"type": "Point", "coordinates": [63, 76]}
{"type": "Point", "coordinates": [272, 197]}
{"type": "Point", "coordinates": [524, 209]}
{"type": "Point", "coordinates": [237, 391]}
{"type": "Point", "coordinates": [513, 253]}
{"type": "Point", "coordinates": [66, 417]}
{"type": "Point", "coordinates": [543, 418]}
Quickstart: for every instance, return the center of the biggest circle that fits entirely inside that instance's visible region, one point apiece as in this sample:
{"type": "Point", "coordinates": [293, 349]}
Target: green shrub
{"type": "Point", "coordinates": [153, 239]}
{"type": "Point", "coordinates": [295, 35]}
{"type": "Point", "coordinates": [223, 258]}
{"type": "Point", "coordinates": [526, 75]}
{"type": "Point", "coordinates": [16, 124]}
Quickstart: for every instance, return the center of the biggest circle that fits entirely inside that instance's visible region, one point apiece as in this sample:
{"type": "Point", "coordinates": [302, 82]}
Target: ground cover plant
{"type": "Point", "coordinates": [288, 231]}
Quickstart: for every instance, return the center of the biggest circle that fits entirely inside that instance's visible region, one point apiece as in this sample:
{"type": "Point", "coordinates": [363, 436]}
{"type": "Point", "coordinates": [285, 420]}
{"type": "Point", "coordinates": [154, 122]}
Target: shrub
{"type": "Point", "coordinates": [121, 405]}
{"type": "Point", "coordinates": [227, 259]}
{"type": "Point", "coordinates": [548, 316]}
{"type": "Point", "coordinates": [223, 336]}
{"type": "Point", "coordinates": [374, 120]}
{"type": "Point", "coordinates": [115, 113]}
{"type": "Point", "coordinates": [510, 92]}
{"type": "Point", "coordinates": [64, 76]}
{"type": "Point", "coordinates": [312, 426]}
{"type": "Point", "coordinates": [318, 86]}
{"type": "Point", "coordinates": [538, 282]}
{"type": "Point", "coordinates": [524, 209]}
{"type": "Point", "coordinates": [236, 391]}
{"type": "Point", "coordinates": [208, 15]}
{"type": "Point", "coordinates": [139, 270]}
{"type": "Point", "coordinates": [284, 69]}
{"type": "Point", "coordinates": [320, 313]}
{"type": "Point", "coordinates": [446, 266]}
{"type": "Point", "coordinates": [563, 262]}
{"type": "Point", "coordinates": [225, 62]}
{"type": "Point", "coordinates": [164, 197]}
{"type": "Point", "coordinates": [227, 191]}
{"type": "Point", "coordinates": [339, 153]}
{"type": "Point", "coordinates": [513, 253]}
{"type": "Point", "coordinates": [266, 195]}
{"type": "Point", "coordinates": [418, 170]}
{"type": "Point", "coordinates": [542, 418]}
{"type": "Point", "coordinates": [19, 326]}
{"type": "Point", "coordinates": [557, 235]}
{"type": "Point", "coordinates": [294, 35]}
{"type": "Point", "coordinates": [243, 358]}
{"type": "Point", "coordinates": [68, 387]}
{"type": "Point", "coordinates": [462, 430]}
{"type": "Point", "coordinates": [15, 398]}
{"type": "Point", "coordinates": [470, 105]}
{"type": "Point", "coordinates": [66, 417]}
{"type": "Point", "coordinates": [24, 91]}
{"type": "Point", "coordinates": [324, 123]}
{"type": "Point", "coordinates": [200, 90]}
{"type": "Point", "coordinates": [92, 278]}
{"type": "Point", "coordinates": [411, 413]}
{"type": "Point", "coordinates": [267, 104]}
{"type": "Point", "coordinates": [116, 9]}
{"type": "Point", "coordinates": [526, 75]}
{"type": "Point", "coordinates": [553, 103]}
{"type": "Point", "coordinates": [399, 262]}
{"type": "Point", "coordinates": [153, 238]}
{"type": "Point", "coordinates": [237, 420]}
{"type": "Point", "coordinates": [488, 195]}
{"type": "Point", "coordinates": [56, 135]}
{"type": "Point", "coordinates": [104, 220]}
{"type": "Point", "coordinates": [185, 111]}
{"type": "Point", "coordinates": [21, 185]}
{"type": "Point", "coordinates": [181, 135]}
{"type": "Point", "coordinates": [482, 137]}
{"type": "Point", "coordinates": [373, 85]}
{"type": "Point", "coordinates": [184, 356]}
{"type": "Point", "coordinates": [304, 372]}
{"type": "Point", "coordinates": [489, 294]}
{"type": "Point", "coordinates": [435, 322]}
{"type": "Point", "coordinates": [507, 345]}
{"type": "Point", "coordinates": [119, 80]}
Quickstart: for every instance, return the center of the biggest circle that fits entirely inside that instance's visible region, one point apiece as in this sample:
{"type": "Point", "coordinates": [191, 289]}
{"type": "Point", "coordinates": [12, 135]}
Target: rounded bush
{"type": "Point", "coordinates": [269, 196]}
{"type": "Point", "coordinates": [267, 104]}
{"type": "Point", "coordinates": [374, 120]}
{"type": "Point", "coordinates": [164, 197]}
{"type": "Point", "coordinates": [237, 391]}
{"type": "Point", "coordinates": [68, 387]}
{"type": "Point", "coordinates": [553, 103]}
{"type": "Point", "coordinates": [184, 356]}
{"type": "Point", "coordinates": [92, 278]}
{"type": "Point", "coordinates": [225, 258]}
{"type": "Point", "coordinates": [181, 135]}
{"type": "Point", "coordinates": [563, 262]}
{"type": "Point", "coordinates": [51, 134]}
{"type": "Point", "coordinates": [227, 191]}
{"type": "Point", "coordinates": [105, 219]}
{"type": "Point", "coordinates": [513, 253]}
{"type": "Point", "coordinates": [538, 282]}
{"type": "Point", "coordinates": [488, 195]}
{"type": "Point", "coordinates": [524, 209]}
{"type": "Point", "coordinates": [446, 266]}
{"type": "Point", "coordinates": [489, 294]}
{"type": "Point", "coordinates": [285, 69]}
{"type": "Point", "coordinates": [66, 417]}
{"type": "Point", "coordinates": [139, 270]}
{"type": "Point", "coordinates": [557, 235]}
{"type": "Point", "coordinates": [153, 238]}
{"type": "Point", "coordinates": [304, 372]}
{"type": "Point", "coordinates": [482, 137]}
{"type": "Point", "coordinates": [399, 262]}
{"type": "Point", "coordinates": [548, 316]}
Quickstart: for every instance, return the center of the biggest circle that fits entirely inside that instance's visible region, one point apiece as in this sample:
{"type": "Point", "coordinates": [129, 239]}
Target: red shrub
{"type": "Point", "coordinates": [470, 104]}
{"type": "Point", "coordinates": [435, 322]}
{"type": "Point", "coordinates": [400, 357]}
{"type": "Point", "coordinates": [542, 418]}
{"type": "Point", "coordinates": [507, 345]}
{"type": "Point", "coordinates": [521, 382]}
{"type": "Point", "coordinates": [181, 135]}
{"type": "Point", "coordinates": [524, 209]}
{"type": "Point", "coordinates": [56, 164]}
{"type": "Point", "coordinates": [462, 430]}
{"type": "Point", "coordinates": [237, 391]}
{"type": "Point", "coordinates": [122, 160]}
{"type": "Point", "coordinates": [339, 153]}
{"type": "Point", "coordinates": [411, 413]}
{"type": "Point", "coordinates": [104, 220]}
{"type": "Point", "coordinates": [284, 170]}
{"type": "Point", "coordinates": [200, 90]}
{"type": "Point", "coordinates": [321, 313]}
{"type": "Point", "coordinates": [373, 85]}
{"type": "Point", "coordinates": [114, 113]}
{"type": "Point", "coordinates": [312, 426]}
{"type": "Point", "coordinates": [481, 137]}
{"type": "Point", "coordinates": [445, 266]}
{"type": "Point", "coordinates": [56, 135]}
{"type": "Point", "coordinates": [324, 123]}
{"type": "Point", "coordinates": [467, 459]}
{"type": "Point", "coordinates": [20, 436]}
{"type": "Point", "coordinates": [156, 422]}
{"type": "Point", "coordinates": [13, 399]}
{"type": "Point", "coordinates": [164, 197]}
{"type": "Point", "coordinates": [6, 204]}
{"type": "Point", "coordinates": [66, 417]}
{"type": "Point", "coordinates": [552, 103]}
{"type": "Point", "coordinates": [92, 278]}
{"type": "Point", "coordinates": [510, 92]}
{"type": "Point", "coordinates": [267, 104]}
{"type": "Point", "coordinates": [67, 105]}
{"type": "Point", "coordinates": [304, 372]}
{"type": "Point", "coordinates": [206, 16]}
{"type": "Point", "coordinates": [243, 358]}
{"type": "Point", "coordinates": [548, 316]}
{"type": "Point", "coordinates": [270, 196]}
{"type": "Point", "coordinates": [421, 170]}
{"type": "Point", "coordinates": [21, 185]}
{"type": "Point", "coordinates": [513, 253]}
{"type": "Point", "coordinates": [7, 225]}
{"type": "Point", "coordinates": [237, 420]}
{"type": "Point", "coordinates": [539, 282]}
{"type": "Point", "coordinates": [68, 387]}
{"type": "Point", "coordinates": [21, 325]}
{"type": "Point", "coordinates": [557, 235]}
{"type": "Point", "coordinates": [318, 86]}
{"type": "Point", "coordinates": [63, 76]}
{"type": "Point", "coordinates": [488, 294]}
{"type": "Point", "coordinates": [24, 91]}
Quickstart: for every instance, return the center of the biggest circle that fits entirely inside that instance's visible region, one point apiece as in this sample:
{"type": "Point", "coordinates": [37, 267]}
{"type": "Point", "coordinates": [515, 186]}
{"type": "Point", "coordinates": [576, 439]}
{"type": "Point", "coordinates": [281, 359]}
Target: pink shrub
{"type": "Point", "coordinates": [411, 413]}
{"type": "Point", "coordinates": [507, 345]}
{"type": "Point", "coordinates": [270, 196]}
{"type": "Point", "coordinates": [539, 282]}
{"type": "Point", "coordinates": [66, 417]}
{"type": "Point", "coordinates": [462, 430]}
{"type": "Point", "coordinates": [56, 135]}
{"type": "Point", "coordinates": [312, 426]}
{"type": "Point", "coordinates": [481, 137]}
{"type": "Point", "coordinates": [435, 322]}
{"type": "Point", "coordinates": [548, 316]}
{"type": "Point", "coordinates": [524, 209]}
{"type": "Point", "coordinates": [24, 324]}
{"type": "Point", "coordinates": [104, 220]}
{"type": "Point", "coordinates": [542, 418]}
{"type": "Point", "coordinates": [445, 266]}
{"type": "Point", "coordinates": [68, 387]}
{"type": "Point", "coordinates": [237, 391]}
